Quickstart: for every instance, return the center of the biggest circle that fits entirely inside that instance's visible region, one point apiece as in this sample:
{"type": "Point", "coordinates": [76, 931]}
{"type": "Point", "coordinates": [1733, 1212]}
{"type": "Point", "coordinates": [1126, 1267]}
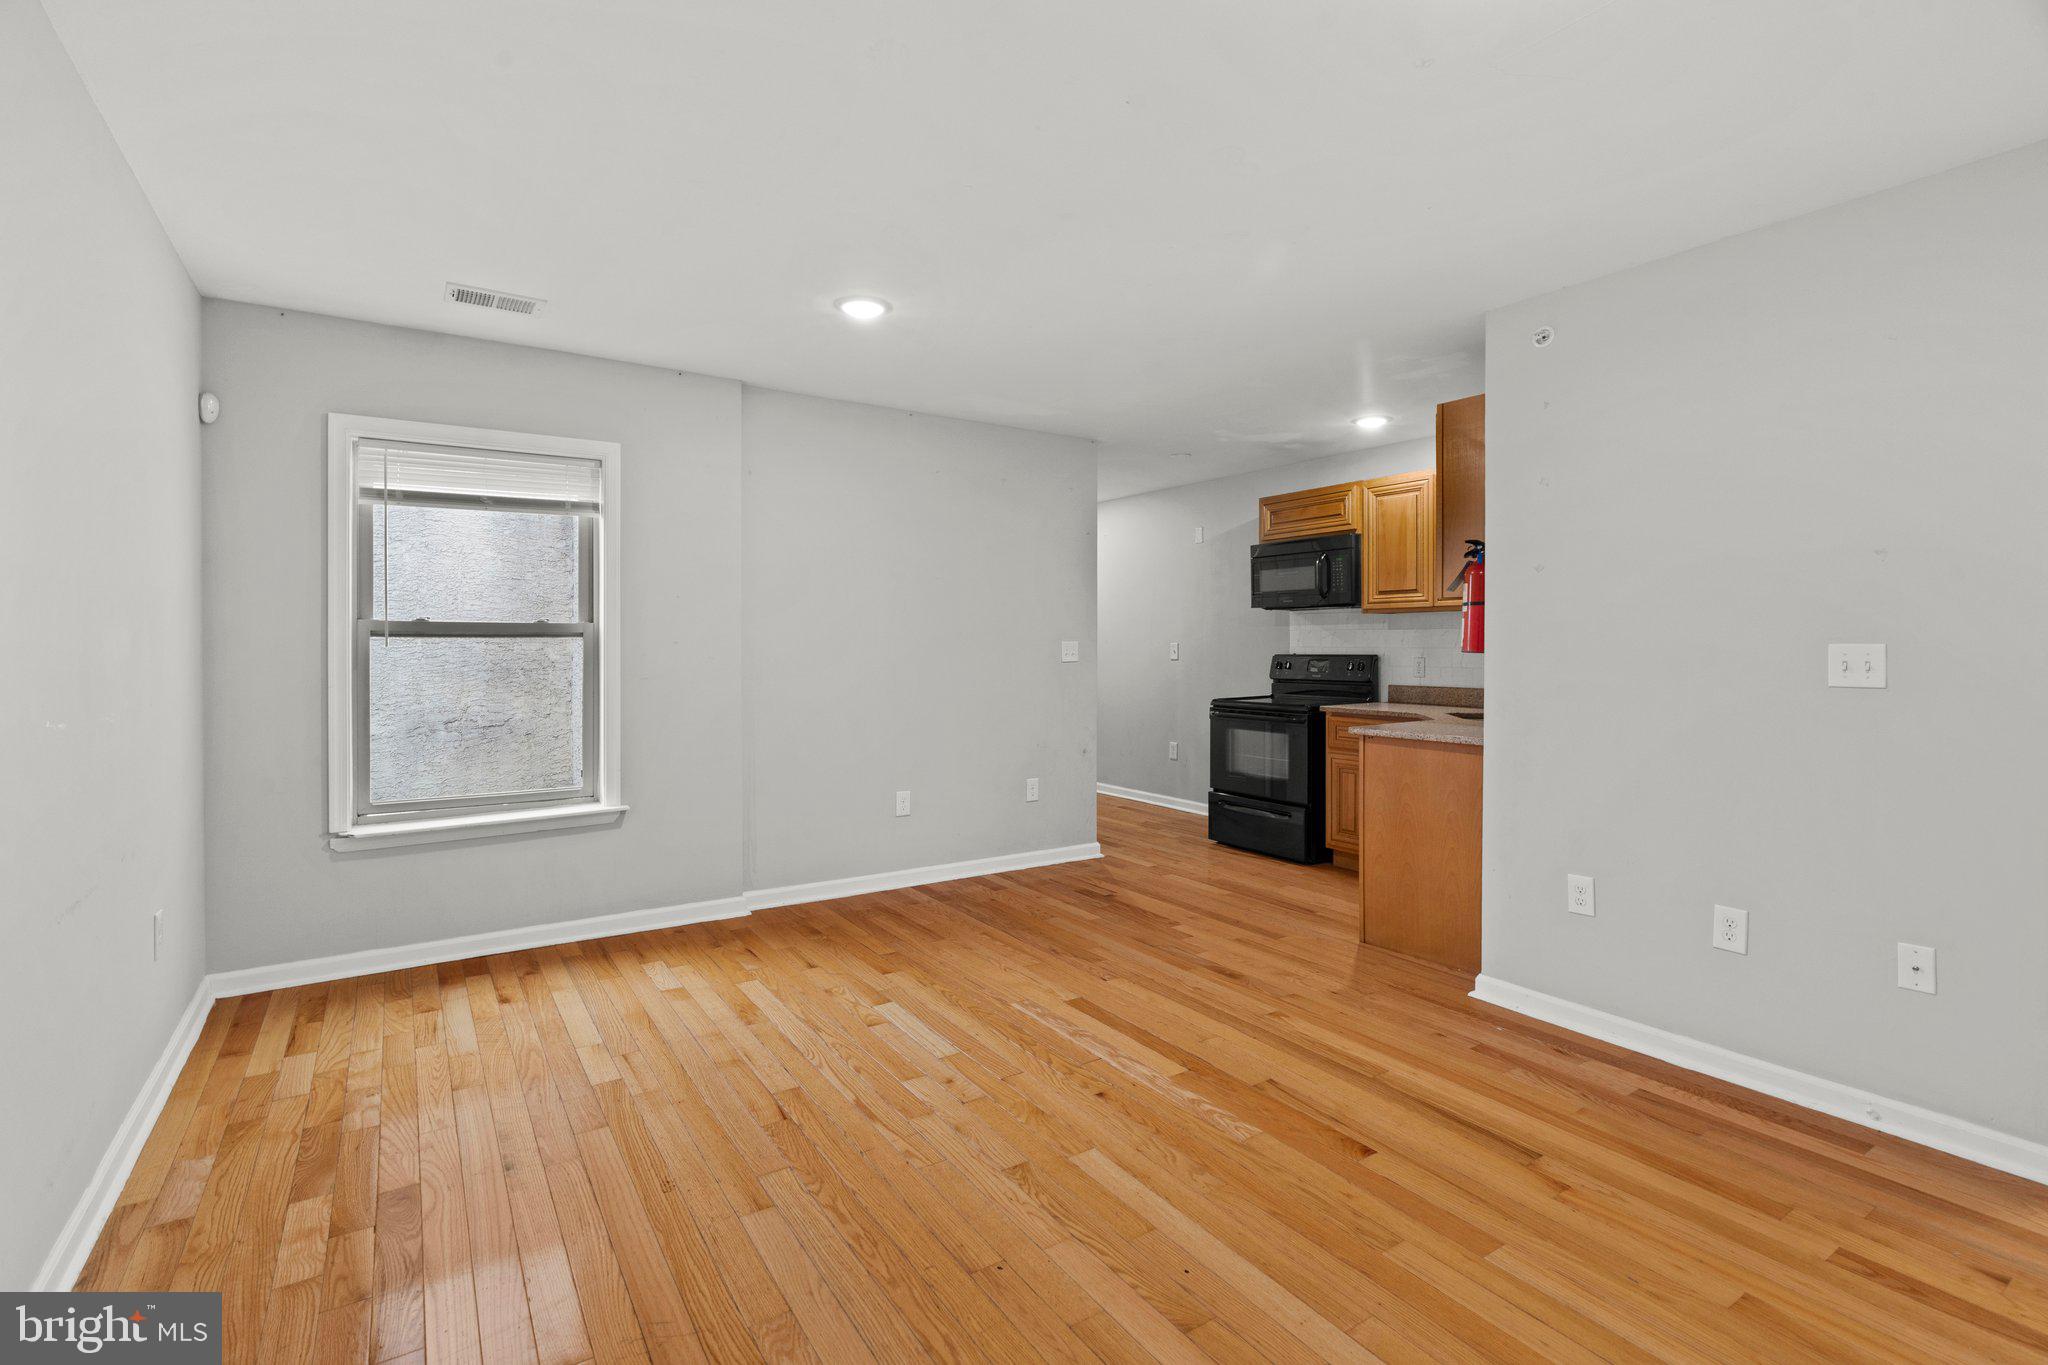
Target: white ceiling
{"type": "Point", "coordinates": [1205, 232]}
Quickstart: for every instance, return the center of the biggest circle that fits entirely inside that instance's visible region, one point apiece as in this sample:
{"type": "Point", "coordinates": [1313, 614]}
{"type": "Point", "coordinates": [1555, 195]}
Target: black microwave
{"type": "Point", "coordinates": [1292, 575]}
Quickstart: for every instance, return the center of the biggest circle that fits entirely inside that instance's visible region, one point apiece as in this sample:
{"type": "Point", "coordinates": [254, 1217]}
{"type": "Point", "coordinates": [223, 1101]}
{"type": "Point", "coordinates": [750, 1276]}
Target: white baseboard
{"type": "Point", "coordinates": [841, 887]}
{"type": "Point", "coordinates": [1943, 1132]}
{"type": "Point", "coordinates": [1154, 799]}
{"type": "Point", "coordinates": [89, 1215]}
{"type": "Point", "coordinates": [371, 961]}
{"type": "Point", "coordinates": [82, 1229]}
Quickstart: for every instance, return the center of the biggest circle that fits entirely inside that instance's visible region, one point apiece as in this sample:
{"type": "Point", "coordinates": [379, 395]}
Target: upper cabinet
{"type": "Point", "coordinates": [1400, 543]}
{"type": "Point", "coordinates": [1412, 527]}
{"type": "Point", "coordinates": [1460, 487]}
{"type": "Point", "coordinates": [1312, 512]}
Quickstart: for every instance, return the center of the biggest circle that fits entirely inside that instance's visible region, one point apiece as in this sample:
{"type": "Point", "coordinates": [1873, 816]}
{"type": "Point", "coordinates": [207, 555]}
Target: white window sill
{"type": "Point", "coordinates": [496, 824]}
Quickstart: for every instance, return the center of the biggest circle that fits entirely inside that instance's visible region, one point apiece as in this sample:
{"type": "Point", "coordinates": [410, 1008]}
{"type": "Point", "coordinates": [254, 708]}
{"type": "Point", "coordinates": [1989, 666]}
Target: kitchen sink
{"type": "Point", "coordinates": [1469, 715]}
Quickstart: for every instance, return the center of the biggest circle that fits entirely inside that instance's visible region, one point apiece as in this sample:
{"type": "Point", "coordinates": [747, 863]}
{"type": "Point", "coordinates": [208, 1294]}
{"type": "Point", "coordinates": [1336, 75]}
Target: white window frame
{"type": "Point", "coordinates": [602, 801]}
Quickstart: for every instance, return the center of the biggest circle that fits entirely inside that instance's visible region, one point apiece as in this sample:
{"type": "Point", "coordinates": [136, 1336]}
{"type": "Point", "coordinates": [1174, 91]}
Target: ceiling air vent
{"type": "Point", "coordinates": [491, 298]}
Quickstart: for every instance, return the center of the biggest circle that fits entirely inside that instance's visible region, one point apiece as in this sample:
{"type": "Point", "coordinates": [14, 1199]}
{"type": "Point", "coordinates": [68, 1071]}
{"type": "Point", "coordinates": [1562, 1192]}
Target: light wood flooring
{"type": "Point", "coordinates": [1157, 1107]}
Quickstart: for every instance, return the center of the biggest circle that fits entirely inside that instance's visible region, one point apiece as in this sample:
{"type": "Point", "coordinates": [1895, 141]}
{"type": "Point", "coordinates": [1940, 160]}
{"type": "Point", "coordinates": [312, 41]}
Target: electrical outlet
{"type": "Point", "coordinates": [1198, 535]}
{"type": "Point", "coordinates": [1855, 665]}
{"type": "Point", "coordinates": [1421, 665]}
{"type": "Point", "coordinates": [1578, 894]}
{"type": "Point", "coordinates": [156, 936]}
{"type": "Point", "coordinates": [903, 803]}
{"type": "Point", "coordinates": [1173, 650]}
{"type": "Point", "coordinates": [1030, 789]}
{"type": "Point", "coordinates": [1916, 968]}
{"type": "Point", "coordinates": [1070, 651]}
{"type": "Point", "coordinates": [1173, 750]}
{"type": "Point", "coordinates": [1731, 929]}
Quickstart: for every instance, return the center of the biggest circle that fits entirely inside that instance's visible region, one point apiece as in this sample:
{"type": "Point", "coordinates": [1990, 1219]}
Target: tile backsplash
{"type": "Point", "coordinates": [1397, 637]}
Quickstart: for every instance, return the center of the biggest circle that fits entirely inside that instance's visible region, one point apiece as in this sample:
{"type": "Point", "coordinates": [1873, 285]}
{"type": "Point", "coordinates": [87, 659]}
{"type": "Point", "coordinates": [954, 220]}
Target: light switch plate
{"type": "Point", "coordinates": [1198, 535]}
{"type": "Point", "coordinates": [1070, 651]}
{"type": "Point", "coordinates": [1173, 651]}
{"type": "Point", "coordinates": [1173, 750]}
{"type": "Point", "coordinates": [1916, 968]}
{"type": "Point", "coordinates": [1855, 665]}
{"type": "Point", "coordinates": [1578, 894]}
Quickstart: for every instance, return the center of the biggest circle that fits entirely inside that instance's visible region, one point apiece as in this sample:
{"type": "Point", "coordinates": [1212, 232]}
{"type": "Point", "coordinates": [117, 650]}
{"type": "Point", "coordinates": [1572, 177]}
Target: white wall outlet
{"type": "Point", "coordinates": [1030, 789]}
{"type": "Point", "coordinates": [1198, 535]}
{"type": "Point", "coordinates": [1173, 750]}
{"type": "Point", "coordinates": [1916, 968]}
{"type": "Point", "coordinates": [903, 803]}
{"type": "Point", "coordinates": [1855, 665]}
{"type": "Point", "coordinates": [156, 936]}
{"type": "Point", "coordinates": [1578, 894]}
{"type": "Point", "coordinates": [1421, 665]}
{"type": "Point", "coordinates": [1731, 929]}
{"type": "Point", "coordinates": [1173, 650]}
{"type": "Point", "coordinates": [1070, 651]}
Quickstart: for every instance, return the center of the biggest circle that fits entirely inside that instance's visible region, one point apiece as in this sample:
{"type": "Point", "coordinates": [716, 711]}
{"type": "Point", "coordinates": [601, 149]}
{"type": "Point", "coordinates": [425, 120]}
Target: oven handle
{"type": "Point", "coordinates": [1222, 800]}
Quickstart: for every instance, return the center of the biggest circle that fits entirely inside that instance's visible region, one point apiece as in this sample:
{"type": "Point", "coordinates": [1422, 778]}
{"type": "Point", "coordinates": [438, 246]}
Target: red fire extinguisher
{"type": "Point", "coordinates": [1473, 577]}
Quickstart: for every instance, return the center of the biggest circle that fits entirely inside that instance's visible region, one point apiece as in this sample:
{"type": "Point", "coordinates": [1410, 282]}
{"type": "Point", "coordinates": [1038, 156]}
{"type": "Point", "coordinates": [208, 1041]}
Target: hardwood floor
{"type": "Point", "coordinates": [1161, 1106]}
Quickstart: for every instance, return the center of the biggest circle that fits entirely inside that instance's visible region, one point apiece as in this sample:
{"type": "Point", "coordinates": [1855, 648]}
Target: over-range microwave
{"type": "Point", "coordinates": [1290, 575]}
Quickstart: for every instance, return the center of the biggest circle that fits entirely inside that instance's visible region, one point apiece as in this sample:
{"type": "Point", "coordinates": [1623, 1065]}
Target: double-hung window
{"type": "Point", "coordinates": [473, 684]}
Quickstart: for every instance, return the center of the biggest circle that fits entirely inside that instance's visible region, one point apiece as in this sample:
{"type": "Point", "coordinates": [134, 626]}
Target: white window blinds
{"type": "Point", "coordinates": [416, 470]}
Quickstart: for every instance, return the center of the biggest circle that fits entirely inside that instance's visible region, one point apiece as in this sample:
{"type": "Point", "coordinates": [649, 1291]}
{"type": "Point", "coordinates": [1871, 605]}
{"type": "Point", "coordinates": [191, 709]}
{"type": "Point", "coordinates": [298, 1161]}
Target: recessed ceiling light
{"type": "Point", "coordinates": [1372, 421]}
{"type": "Point", "coordinates": [863, 309]}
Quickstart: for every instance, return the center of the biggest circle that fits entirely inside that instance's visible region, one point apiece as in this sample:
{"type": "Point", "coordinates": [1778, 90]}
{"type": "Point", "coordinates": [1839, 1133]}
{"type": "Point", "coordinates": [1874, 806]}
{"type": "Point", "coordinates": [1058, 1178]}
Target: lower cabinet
{"type": "Point", "coordinates": [1340, 789]}
{"type": "Point", "coordinates": [1418, 859]}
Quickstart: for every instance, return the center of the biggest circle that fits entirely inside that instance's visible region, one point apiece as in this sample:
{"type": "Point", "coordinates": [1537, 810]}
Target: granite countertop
{"type": "Point", "coordinates": [1409, 720]}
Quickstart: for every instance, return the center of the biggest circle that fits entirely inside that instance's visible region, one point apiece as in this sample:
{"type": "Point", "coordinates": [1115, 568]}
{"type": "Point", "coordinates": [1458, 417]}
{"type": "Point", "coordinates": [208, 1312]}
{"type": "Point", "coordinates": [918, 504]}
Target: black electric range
{"type": "Point", "coordinates": [1266, 754]}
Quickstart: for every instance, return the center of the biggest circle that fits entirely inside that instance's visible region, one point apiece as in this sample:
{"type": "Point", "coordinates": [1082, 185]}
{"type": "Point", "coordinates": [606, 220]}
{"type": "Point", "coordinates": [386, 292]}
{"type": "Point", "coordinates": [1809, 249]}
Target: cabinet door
{"type": "Point", "coordinates": [1460, 487]}
{"type": "Point", "coordinates": [1400, 543]}
{"type": "Point", "coordinates": [1340, 789]}
{"type": "Point", "coordinates": [1328, 511]}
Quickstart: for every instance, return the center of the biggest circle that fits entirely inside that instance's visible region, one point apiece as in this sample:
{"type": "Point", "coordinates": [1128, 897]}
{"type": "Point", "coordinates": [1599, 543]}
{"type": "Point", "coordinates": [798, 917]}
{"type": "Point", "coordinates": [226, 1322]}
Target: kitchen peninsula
{"type": "Point", "coordinates": [1416, 801]}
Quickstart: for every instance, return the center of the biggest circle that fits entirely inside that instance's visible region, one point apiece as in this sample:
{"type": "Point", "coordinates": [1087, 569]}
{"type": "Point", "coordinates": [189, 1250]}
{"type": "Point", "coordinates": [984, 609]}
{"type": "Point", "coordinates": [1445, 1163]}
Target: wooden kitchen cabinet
{"type": "Point", "coordinates": [1328, 511]}
{"type": "Point", "coordinates": [1418, 854]}
{"type": "Point", "coordinates": [1400, 543]}
{"type": "Point", "coordinates": [1412, 528]}
{"type": "Point", "coordinates": [1460, 488]}
{"type": "Point", "coordinates": [1340, 789]}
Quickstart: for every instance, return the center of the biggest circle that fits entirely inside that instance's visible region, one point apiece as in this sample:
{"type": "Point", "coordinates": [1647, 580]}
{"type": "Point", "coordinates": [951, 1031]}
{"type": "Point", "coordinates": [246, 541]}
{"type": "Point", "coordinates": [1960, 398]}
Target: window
{"type": "Point", "coordinates": [472, 632]}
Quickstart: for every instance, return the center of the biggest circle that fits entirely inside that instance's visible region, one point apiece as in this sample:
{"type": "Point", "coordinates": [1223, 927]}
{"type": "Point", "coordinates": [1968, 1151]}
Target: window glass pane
{"type": "Point", "coordinates": [469, 564]}
{"type": "Point", "coordinates": [470, 717]}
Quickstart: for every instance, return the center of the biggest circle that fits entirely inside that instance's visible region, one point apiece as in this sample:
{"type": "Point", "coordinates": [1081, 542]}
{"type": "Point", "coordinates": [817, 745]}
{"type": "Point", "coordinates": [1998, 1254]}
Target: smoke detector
{"type": "Point", "coordinates": [492, 298]}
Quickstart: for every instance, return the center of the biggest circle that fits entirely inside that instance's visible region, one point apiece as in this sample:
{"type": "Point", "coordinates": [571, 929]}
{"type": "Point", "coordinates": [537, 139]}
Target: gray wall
{"type": "Point", "coordinates": [99, 698]}
{"type": "Point", "coordinates": [1159, 586]}
{"type": "Point", "coordinates": [866, 659]}
{"type": "Point", "coordinates": [275, 892]}
{"type": "Point", "coordinates": [1834, 429]}
{"type": "Point", "coordinates": [909, 580]}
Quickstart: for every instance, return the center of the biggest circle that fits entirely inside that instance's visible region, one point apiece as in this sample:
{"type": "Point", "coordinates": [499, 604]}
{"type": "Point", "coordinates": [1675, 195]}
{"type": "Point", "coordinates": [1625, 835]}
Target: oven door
{"type": "Point", "coordinates": [1267, 757]}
